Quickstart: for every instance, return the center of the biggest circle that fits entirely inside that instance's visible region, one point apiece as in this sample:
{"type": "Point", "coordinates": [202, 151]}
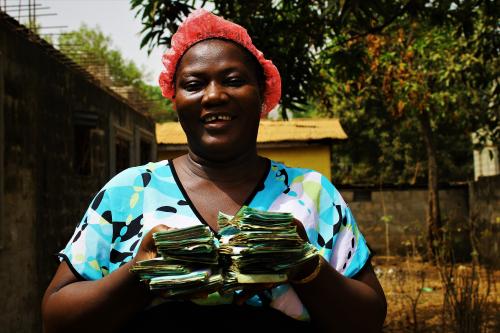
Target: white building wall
{"type": "Point", "coordinates": [486, 162]}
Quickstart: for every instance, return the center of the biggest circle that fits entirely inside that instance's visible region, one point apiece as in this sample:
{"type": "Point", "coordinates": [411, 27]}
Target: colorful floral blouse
{"type": "Point", "coordinates": [139, 198]}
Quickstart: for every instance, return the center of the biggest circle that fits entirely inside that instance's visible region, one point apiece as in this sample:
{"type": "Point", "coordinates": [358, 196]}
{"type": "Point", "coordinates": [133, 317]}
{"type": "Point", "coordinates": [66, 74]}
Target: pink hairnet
{"type": "Point", "coordinates": [201, 25]}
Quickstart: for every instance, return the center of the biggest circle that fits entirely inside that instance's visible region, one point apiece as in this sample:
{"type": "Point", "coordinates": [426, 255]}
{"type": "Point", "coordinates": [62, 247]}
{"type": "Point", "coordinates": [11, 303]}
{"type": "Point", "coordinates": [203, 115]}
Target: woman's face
{"type": "Point", "coordinates": [218, 100]}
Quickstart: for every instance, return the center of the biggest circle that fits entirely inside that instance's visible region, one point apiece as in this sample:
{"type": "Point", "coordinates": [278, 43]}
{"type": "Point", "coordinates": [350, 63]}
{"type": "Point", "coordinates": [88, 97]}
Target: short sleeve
{"type": "Point", "coordinates": [87, 252]}
{"type": "Point", "coordinates": [111, 229]}
{"type": "Point", "coordinates": [338, 237]}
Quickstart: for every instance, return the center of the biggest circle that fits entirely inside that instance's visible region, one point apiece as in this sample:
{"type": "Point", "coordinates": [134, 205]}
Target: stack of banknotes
{"type": "Point", "coordinates": [262, 247]}
{"type": "Point", "coordinates": [253, 247]}
{"type": "Point", "coordinates": [188, 264]}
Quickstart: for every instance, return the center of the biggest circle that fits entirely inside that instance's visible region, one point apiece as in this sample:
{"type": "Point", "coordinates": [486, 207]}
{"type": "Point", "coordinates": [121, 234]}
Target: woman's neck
{"type": "Point", "coordinates": [234, 171]}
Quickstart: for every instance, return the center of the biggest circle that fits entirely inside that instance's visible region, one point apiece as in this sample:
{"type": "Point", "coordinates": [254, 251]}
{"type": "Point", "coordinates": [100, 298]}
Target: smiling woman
{"type": "Point", "coordinates": [221, 86]}
{"type": "Point", "coordinates": [218, 100]}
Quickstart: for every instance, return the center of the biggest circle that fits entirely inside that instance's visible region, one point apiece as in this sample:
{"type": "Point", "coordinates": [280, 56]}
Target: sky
{"type": "Point", "coordinates": [114, 18]}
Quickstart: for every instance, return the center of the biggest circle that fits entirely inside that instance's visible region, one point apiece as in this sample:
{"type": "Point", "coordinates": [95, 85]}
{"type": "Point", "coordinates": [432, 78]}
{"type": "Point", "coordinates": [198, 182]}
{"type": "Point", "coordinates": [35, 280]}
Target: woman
{"type": "Point", "coordinates": [221, 85]}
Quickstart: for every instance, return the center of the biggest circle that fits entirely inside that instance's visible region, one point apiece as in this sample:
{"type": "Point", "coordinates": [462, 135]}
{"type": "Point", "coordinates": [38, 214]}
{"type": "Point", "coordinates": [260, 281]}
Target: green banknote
{"type": "Point", "coordinates": [261, 246]}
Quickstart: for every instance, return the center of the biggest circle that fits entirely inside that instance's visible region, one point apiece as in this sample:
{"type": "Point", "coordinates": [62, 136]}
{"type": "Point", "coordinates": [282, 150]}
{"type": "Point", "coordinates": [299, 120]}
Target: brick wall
{"type": "Point", "coordinates": [44, 195]}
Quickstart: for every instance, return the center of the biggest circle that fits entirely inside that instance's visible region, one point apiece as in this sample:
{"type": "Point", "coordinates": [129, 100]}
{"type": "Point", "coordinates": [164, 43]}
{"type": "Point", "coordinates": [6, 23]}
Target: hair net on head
{"type": "Point", "coordinates": [201, 25]}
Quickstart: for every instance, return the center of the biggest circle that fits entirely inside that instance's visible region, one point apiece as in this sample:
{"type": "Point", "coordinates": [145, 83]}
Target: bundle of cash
{"type": "Point", "coordinates": [188, 263]}
{"type": "Point", "coordinates": [254, 247]}
{"type": "Point", "coordinates": [148, 269]}
{"type": "Point", "coordinates": [194, 283]}
{"type": "Point", "coordinates": [262, 246]}
{"type": "Point", "coordinates": [194, 244]}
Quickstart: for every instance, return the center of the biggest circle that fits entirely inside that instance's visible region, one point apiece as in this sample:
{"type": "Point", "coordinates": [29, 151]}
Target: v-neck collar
{"type": "Point", "coordinates": [257, 188]}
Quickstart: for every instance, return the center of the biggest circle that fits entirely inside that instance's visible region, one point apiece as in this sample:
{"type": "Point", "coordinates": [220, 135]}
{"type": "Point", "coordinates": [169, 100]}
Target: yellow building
{"type": "Point", "coordinates": [304, 143]}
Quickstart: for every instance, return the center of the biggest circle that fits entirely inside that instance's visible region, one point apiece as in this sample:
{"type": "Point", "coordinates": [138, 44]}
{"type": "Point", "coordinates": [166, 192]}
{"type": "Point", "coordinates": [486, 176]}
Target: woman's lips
{"type": "Point", "coordinates": [215, 117]}
{"type": "Point", "coordinates": [217, 124]}
{"type": "Point", "coordinates": [220, 121]}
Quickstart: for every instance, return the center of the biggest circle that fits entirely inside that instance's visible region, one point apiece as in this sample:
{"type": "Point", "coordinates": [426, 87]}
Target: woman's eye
{"type": "Point", "coordinates": [235, 81]}
{"type": "Point", "coordinates": [192, 85]}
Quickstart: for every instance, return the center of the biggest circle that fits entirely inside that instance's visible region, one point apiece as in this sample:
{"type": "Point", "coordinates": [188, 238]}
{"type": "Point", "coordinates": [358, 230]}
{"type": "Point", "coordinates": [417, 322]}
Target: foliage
{"type": "Point", "coordinates": [93, 50]}
{"type": "Point", "coordinates": [293, 53]}
{"type": "Point", "coordinates": [388, 69]}
{"type": "Point", "coordinates": [294, 33]}
{"type": "Point", "coordinates": [88, 46]}
{"type": "Point", "coordinates": [380, 85]}
{"type": "Point", "coordinates": [404, 89]}
{"type": "Point", "coordinates": [415, 75]}
{"type": "Point", "coordinates": [160, 108]}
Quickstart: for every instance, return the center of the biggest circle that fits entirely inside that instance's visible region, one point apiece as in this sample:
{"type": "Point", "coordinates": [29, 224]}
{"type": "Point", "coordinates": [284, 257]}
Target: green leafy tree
{"type": "Point", "coordinates": [294, 33]}
{"type": "Point", "coordinates": [91, 49]}
{"type": "Point", "coordinates": [327, 51]}
{"type": "Point", "coordinates": [414, 87]}
{"type": "Point", "coordinates": [291, 33]}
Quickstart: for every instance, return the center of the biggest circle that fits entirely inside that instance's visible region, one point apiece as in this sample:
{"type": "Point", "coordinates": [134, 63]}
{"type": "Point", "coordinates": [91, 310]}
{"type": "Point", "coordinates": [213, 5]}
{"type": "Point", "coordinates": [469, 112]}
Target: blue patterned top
{"type": "Point", "coordinates": [139, 198]}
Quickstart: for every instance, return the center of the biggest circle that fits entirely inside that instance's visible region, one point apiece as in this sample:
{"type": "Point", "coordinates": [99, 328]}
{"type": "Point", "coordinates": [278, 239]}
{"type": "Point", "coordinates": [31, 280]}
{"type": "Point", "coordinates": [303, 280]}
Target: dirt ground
{"type": "Point", "coordinates": [410, 284]}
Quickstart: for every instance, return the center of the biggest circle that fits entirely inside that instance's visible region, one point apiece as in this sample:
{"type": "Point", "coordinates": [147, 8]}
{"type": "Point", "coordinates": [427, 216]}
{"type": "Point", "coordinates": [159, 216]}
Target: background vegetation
{"type": "Point", "coordinates": [406, 78]}
{"type": "Point", "coordinates": [93, 50]}
{"type": "Point", "coordinates": [411, 80]}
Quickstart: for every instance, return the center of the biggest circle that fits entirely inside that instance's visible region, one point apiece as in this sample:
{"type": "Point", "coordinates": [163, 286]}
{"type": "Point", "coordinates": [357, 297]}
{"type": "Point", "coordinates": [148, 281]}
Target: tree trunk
{"type": "Point", "coordinates": [284, 115]}
{"type": "Point", "coordinates": [434, 223]}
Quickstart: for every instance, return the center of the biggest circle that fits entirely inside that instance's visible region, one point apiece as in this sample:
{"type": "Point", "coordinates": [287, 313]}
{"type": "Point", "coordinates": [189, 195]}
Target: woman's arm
{"type": "Point", "coordinates": [72, 305]}
{"type": "Point", "coordinates": [337, 303]}
{"type": "Point", "coordinates": [340, 304]}
{"type": "Point", "coordinates": [334, 302]}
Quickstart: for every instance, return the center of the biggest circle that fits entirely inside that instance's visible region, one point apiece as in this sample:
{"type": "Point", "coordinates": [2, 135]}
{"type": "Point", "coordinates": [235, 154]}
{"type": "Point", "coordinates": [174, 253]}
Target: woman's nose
{"type": "Point", "coordinates": [214, 94]}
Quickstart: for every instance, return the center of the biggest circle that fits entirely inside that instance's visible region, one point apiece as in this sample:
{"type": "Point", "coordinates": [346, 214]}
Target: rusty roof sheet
{"type": "Point", "coordinates": [297, 130]}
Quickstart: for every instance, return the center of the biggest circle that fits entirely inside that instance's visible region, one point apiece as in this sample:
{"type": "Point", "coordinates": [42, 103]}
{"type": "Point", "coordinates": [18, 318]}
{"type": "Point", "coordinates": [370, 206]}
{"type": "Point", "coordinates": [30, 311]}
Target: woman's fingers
{"type": "Point", "coordinates": [147, 249]}
{"type": "Point", "coordinates": [300, 229]}
{"type": "Point", "coordinates": [159, 227]}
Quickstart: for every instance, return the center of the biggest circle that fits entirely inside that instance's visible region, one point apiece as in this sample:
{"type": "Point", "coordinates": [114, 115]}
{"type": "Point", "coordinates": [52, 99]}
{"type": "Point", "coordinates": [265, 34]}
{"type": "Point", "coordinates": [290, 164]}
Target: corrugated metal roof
{"type": "Point", "coordinates": [269, 131]}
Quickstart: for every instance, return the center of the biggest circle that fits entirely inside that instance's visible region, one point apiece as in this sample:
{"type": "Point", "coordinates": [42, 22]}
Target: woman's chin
{"type": "Point", "coordinates": [221, 150]}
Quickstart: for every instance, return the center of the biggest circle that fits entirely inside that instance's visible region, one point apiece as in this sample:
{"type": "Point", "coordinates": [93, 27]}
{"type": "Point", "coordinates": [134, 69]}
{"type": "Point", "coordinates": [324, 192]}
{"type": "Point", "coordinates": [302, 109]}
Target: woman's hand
{"type": "Point", "coordinates": [300, 229]}
{"type": "Point", "coordinates": [106, 303]}
{"type": "Point", "coordinates": [307, 267]}
{"type": "Point", "coordinates": [147, 249]}
{"type": "Point", "coordinates": [254, 289]}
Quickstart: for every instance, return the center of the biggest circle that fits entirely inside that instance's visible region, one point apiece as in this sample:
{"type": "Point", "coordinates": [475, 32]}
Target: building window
{"type": "Point", "coordinates": [82, 157]}
{"type": "Point", "coordinates": [145, 145]}
{"type": "Point", "coordinates": [145, 149]}
{"type": "Point", "coordinates": [122, 154]}
{"type": "Point", "coordinates": [84, 123]}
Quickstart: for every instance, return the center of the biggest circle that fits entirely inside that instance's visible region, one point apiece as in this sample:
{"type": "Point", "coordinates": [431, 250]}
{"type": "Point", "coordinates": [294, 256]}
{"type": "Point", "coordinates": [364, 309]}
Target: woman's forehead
{"type": "Point", "coordinates": [214, 51]}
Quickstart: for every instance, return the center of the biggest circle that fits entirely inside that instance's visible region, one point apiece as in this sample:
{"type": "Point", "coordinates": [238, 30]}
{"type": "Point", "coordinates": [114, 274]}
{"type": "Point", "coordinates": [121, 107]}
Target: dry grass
{"type": "Point", "coordinates": [415, 296]}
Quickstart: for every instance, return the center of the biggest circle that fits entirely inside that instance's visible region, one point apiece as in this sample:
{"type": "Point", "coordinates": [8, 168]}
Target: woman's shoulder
{"type": "Point", "coordinates": [298, 173]}
{"type": "Point", "coordinates": [139, 175]}
{"type": "Point", "coordinates": [309, 179]}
